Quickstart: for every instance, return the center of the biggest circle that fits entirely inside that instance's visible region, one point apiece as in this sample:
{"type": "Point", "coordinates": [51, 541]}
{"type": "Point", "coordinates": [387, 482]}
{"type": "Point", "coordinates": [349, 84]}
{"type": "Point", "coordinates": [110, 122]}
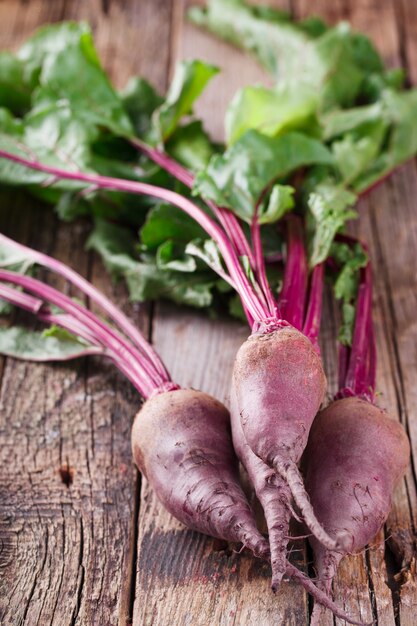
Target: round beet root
{"type": "Point", "coordinates": [280, 384]}
{"type": "Point", "coordinates": [181, 441]}
{"type": "Point", "coordinates": [355, 456]}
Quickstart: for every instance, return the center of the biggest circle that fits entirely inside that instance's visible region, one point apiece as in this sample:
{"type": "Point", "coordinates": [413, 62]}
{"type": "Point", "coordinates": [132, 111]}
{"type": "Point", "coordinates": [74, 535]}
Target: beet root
{"type": "Point", "coordinates": [272, 493]}
{"type": "Point", "coordinates": [280, 384]}
{"type": "Point", "coordinates": [355, 456]}
{"type": "Point", "coordinates": [181, 442]}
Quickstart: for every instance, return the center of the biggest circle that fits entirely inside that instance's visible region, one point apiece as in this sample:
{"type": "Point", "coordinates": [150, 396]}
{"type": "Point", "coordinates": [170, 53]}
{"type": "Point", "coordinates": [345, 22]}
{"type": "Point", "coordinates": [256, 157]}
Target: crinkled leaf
{"type": "Point", "coordinates": [140, 100]}
{"type": "Point", "coordinates": [168, 222]}
{"type": "Point", "coordinates": [272, 111]}
{"type": "Point", "coordinates": [169, 257]}
{"type": "Point", "coordinates": [148, 282]}
{"type": "Point", "coordinates": [48, 41]}
{"type": "Point", "coordinates": [85, 88]}
{"type": "Point", "coordinates": [191, 146]}
{"type": "Point", "coordinates": [14, 90]}
{"type": "Point", "coordinates": [116, 246]}
{"type": "Point", "coordinates": [351, 259]}
{"type": "Point", "coordinates": [330, 209]}
{"type": "Point", "coordinates": [355, 153]}
{"type": "Point", "coordinates": [208, 251]}
{"type": "Point", "coordinates": [9, 124]}
{"type": "Point", "coordinates": [340, 121]}
{"type": "Point", "coordinates": [238, 178]}
{"type": "Point", "coordinates": [280, 201]}
{"type": "Point", "coordinates": [335, 63]}
{"type": "Point", "coordinates": [52, 345]}
{"type": "Point", "coordinates": [189, 81]}
{"type": "Point", "coordinates": [400, 111]}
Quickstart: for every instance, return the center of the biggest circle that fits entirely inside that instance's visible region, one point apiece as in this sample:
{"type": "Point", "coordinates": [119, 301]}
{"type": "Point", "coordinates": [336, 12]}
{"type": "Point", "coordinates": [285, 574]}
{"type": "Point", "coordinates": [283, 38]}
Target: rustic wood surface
{"type": "Point", "coordinates": [82, 541]}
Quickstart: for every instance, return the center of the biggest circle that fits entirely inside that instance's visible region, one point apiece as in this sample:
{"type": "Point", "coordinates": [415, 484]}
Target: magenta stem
{"type": "Point", "coordinates": [22, 300]}
{"type": "Point", "coordinates": [75, 327]}
{"type": "Point", "coordinates": [260, 266]}
{"type": "Point", "coordinates": [119, 318]}
{"type": "Point", "coordinates": [356, 377]}
{"type": "Point", "coordinates": [312, 320]}
{"type": "Point", "coordinates": [242, 284]}
{"type": "Point", "coordinates": [293, 294]}
{"type": "Point", "coordinates": [104, 334]}
{"type": "Point", "coordinates": [227, 219]}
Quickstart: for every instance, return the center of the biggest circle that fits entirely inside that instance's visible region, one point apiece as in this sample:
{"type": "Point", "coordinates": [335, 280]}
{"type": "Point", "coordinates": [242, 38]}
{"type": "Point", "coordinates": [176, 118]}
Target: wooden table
{"type": "Point", "coordinates": [83, 540]}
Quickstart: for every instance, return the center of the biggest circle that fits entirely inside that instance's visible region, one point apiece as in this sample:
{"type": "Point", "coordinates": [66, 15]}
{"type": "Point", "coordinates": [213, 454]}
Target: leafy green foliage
{"type": "Point", "coordinates": [350, 258]}
{"type": "Point", "coordinates": [332, 61]}
{"type": "Point", "coordinates": [140, 100]}
{"type": "Point", "coordinates": [334, 122]}
{"type": "Point", "coordinates": [330, 209]}
{"type": "Point", "coordinates": [145, 279]}
{"type": "Point", "coordinates": [53, 344]}
{"type": "Point", "coordinates": [188, 83]}
{"type": "Point", "coordinates": [191, 146]}
{"type": "Point", "coordinates": [272, 111]}
{"type": "Point", "coordinates": [238, 178]}
{"type": "Point", "coordinates": [14, 90]}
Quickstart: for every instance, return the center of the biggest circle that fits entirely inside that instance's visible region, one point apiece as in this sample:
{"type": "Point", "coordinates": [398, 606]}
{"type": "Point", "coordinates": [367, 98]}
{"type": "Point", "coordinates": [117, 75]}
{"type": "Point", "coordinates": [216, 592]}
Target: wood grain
{"type": "Point", "coordinates": [79, 543]}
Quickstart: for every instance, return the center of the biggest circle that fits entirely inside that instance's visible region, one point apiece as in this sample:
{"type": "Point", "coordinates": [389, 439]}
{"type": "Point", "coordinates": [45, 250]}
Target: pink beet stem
{"type": "Point", "coordinates": [251, 300]}
{"type": "Point", "coordinates": [356, 377]}
{"type": "Point", "coordinates": [105, 336]}
{"type": "Point", "coordinates": [312, 320]}
{"type": "Point", "coordinates": [119, 318]}
{"type": "Point", "coordinates": [293, 293]}
{"type": "Point", "coordinates": [260, 266]}
{"type": "Point", "coordinates": [226, 218]}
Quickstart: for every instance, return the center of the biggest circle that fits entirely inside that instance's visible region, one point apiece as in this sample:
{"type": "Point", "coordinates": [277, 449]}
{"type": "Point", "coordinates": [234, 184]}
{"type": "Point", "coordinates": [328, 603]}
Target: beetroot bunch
{"type": "Point", "coordinates": [264, 215]}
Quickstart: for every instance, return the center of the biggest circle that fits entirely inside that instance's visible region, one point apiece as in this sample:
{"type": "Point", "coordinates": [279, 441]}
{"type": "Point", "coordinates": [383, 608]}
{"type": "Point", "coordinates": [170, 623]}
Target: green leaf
{"type": "Point", "coordinates": [145, 280]}
{"type": "Point", "coordinates": [238, 178]}
{"type": "Point", "coordinates": [14, 91]}
{"type": "Point", "coordinates": [9, 124]}
{"type": "Point", "coordinates": [333, 61]}
{"type": "Point", "coordinates": [340, 121]}
{"type": "Point", "coordinates": [208, 251]}
{"type": "Point", "coordinates": [330, 209]}
{"type": "Point", "coordinates": [283, 49]}
{"type": "Point", "coordinates": [116, 246]}
{"type": "Point", "coordinates": [75, 78]}
{"type": "Point", "coordinates": [168, 222]}
{"type": "Point", "coordinates": [351, 259]}
{"type": "Point", "coordinates": [355, 153]}
{"type": "Point", "coordinates": [272, 111]}
{"type": "Point", "coordinates": [52, 345]}
{"type": "Point", "coordinates": [140, 100]}
{"type": "Point", "coordinates": [149, 282]}
{"type": "Point", "coordinates": [191, 146]}
{"type": "Point", "coordinates": [189, 81]}
{"type": "Point", "coordinates": [279, 203]}
{"type": "Point", "coordinates": [48, 41]}
{"type": "Point", "coordinates": [168, 257]}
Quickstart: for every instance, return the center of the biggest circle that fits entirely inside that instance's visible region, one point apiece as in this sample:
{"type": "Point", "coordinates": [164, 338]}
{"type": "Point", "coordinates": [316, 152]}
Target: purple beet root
{"type": "Point", "coordinates": [355, 456]}
{"type": "Point", "coordinates": [181, 442]}
{"type": "Point", "coordinates": [280, 384]}
{"type": "Point", "coordinates": [272, 492]}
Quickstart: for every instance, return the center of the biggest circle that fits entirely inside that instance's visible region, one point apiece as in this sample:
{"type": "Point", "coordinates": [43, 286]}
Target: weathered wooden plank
{"type": "Point", "coordinates": [68, 495]}
{"type": "Point", "coordinates": [66, 489]}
